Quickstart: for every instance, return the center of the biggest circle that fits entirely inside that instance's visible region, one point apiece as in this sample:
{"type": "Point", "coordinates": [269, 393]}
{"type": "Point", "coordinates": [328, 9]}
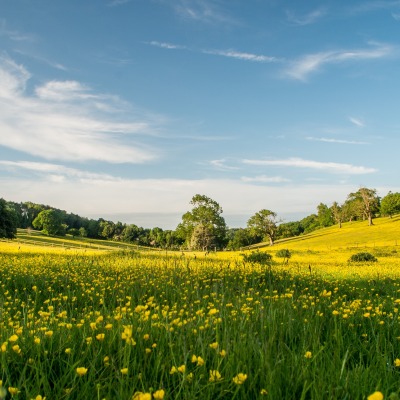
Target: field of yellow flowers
{"type": "Point", "coordinates": [133, 325]}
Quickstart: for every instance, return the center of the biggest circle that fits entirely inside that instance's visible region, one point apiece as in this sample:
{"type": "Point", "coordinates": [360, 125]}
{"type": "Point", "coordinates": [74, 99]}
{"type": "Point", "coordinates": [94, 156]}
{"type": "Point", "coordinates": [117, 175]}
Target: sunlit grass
{"type": "Point", "coordinates": [80, 325]}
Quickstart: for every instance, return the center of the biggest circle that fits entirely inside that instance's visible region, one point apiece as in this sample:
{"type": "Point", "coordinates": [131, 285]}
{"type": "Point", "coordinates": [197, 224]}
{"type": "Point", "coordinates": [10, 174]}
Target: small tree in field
{"type": "Point", "coordinates": [264, 223]}
{"type": "Point", "coordinates": [368, 202]}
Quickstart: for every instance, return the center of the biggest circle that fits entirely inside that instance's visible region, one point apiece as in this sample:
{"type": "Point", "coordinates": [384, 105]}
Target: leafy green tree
{"type": "Point", "coordinates": [8, 220]}
{"type": "Point", "coordinates": [367, 202]}
{"type": "Point", "coordinates": [82, 232]}
{"type": "Point", "coordinates": [338, 213]}
{"type": "Point", "coordinates": [205, 214]}
{"type": "Point", "coordinates": [50, 222]}
{"type": "Point", "coordinates": [390, 204]}
{"type": "Point", "coordinates": [310, 223]}
{"type": "Point", "coordinates": [242, 237]}
{"type": "Point", "coordinates": [289, 229]}
{"type": "Point", "coordinates": [324, 215]}
{"type": "Point", "coordinates": [265, 224]}
{"type": "Point", "coordinates": [202, 238]}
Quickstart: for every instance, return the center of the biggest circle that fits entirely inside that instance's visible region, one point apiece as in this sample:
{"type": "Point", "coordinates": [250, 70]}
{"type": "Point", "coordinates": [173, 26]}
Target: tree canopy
{"type": "Point", "coordinates": [264, 223]}
{"type": "Point", "coordinates": [8, 220]}
{"type": "Point", "coordinates": [203, 227]}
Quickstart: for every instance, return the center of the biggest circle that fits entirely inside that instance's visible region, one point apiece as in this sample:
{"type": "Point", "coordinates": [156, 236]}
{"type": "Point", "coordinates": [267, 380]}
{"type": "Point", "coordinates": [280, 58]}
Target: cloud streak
{"type": "Point", "coordinates": [330, 140]}
{"type": "Point", "coordinates": [316, 165]}
{"type": "Point", "coordinates": [306, 19]}
{"type": "Point", "coordinates": [242, 55]}
{"type": "Point", "coordinates": [301, 68]}
{"type": "Point", "coordinates": [231, 53]}
{"type": "Point", "coordinates": [202, 11]}
{"type": "Point", "coordinates": [65, 120]}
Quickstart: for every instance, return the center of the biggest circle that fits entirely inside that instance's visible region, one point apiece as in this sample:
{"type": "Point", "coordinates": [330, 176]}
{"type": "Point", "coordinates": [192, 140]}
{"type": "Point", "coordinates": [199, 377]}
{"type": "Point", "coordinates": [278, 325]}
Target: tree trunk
{"type": "Point", "coordinates": [370, 220]}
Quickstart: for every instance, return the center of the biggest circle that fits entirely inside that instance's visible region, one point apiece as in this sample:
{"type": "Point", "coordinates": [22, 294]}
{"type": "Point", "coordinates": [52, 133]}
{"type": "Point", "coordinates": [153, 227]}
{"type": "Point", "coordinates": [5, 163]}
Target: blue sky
{"type": "Point", "coordinates": [124, 109]}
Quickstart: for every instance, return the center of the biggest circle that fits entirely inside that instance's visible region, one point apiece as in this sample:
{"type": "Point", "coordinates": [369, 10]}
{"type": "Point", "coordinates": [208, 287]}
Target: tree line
{"type": "Point", "coordinates": [203, 228]}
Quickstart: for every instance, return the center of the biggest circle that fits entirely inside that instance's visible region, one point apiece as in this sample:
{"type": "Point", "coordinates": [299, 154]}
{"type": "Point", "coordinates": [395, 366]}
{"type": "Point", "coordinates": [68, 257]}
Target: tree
{"type": "Point", "coordinates": [242, 237]}
{"type": "Point", "coordinates": [338, 213]}
{"type": "Point", "coordinates": [324, 215]}
{"type": "Point", "coordinates": [206, 217]}
{"type": "Point", "coordinates": [289, 229]}
{"type": "Point", "coordinates": [264, 223]}
{"type": "Point", "coordinates": [50, 222]}
{"type": "Point", "coordinates": [368, 202]}
{"type": "Point", "coordinates": [390, 204]}
{"type": "Point", "coordinates": [8, 220]}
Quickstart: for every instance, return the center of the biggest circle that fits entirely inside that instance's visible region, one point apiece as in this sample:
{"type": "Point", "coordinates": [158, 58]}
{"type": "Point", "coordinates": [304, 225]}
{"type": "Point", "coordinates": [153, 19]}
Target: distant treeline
{"type": "Point", "coordinates": [56, 222]}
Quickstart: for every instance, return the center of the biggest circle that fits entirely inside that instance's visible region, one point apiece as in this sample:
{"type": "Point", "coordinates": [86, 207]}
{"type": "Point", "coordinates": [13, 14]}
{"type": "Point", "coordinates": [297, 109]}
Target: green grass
{"type": "Point", "coordinates": [315, 328]}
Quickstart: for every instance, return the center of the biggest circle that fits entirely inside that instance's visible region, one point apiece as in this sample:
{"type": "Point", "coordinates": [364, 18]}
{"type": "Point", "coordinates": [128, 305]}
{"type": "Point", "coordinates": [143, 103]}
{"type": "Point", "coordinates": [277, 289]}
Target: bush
{"type": "Point", "coordinates": [363, 257]}
{"type": "Point", "coordinates": [283, 253]}
{"type": "Point", "coordinates": [260, 257]}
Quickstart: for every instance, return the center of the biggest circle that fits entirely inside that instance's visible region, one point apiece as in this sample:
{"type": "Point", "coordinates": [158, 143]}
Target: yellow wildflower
{"type": "Point", "coordinates": [81, 371]}
{"type": "Point", "coordinates": [215, 376]}
{"type": "Point", "coordinates": [375, 396]}
{"type": "Point", "coordinates": [308, 354]}
{"type": "Point", "coordinates": [141, 396]}
{"type": "Point", "coordinates": [159, 394]}
{"type": "Point", "coordinates": [182, 368]}
{"type": "Point", "coordinates": [124, 371]}
{"type": "Point", "coordinates": [100, 337]}
{"type": "Point", "coordinates": [13, 338]}
{"type": "Point", "coordinates": [13, 390]}
{"type": "Point", "coordinates": [397, 362]}
{"type": "Point", "coordinates": [239, 379]}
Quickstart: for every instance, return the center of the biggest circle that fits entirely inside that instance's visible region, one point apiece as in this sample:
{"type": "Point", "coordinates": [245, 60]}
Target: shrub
{"type": "Point", "coordinates": [260, 257]}
{"type": "Point", "coordinates": [363, 257]}
{"type": "Point", "coordinates": [283, 253]}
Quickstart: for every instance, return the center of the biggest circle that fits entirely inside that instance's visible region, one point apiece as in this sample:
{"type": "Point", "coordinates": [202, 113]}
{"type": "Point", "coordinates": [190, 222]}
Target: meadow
{"type": "Point", "coordinates": [93, 324]}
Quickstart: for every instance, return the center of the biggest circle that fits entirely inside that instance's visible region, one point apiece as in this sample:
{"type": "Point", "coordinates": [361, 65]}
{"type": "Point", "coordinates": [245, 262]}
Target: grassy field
{"type": "Point", "coordinates": [93, 324]}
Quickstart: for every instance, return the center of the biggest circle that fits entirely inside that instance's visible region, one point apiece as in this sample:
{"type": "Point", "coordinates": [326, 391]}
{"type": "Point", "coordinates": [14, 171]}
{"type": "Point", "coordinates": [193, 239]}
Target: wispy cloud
{"type": "Point", "coordinates": [115, 3]}
{"type": "Point", "coordinates": [264, 179]}
{"type": "Point", "coordinates": [330, 140]}
{"type": "Point", "coordinates": [168, 46]}
{"type": "Point", "coordinates": [317, 165]}
{"type": "Point", "coordinates": [222, 166]}
{"type": "Point", "coordinates": [57, 171]}
{"type": "Point", "coordinates": [242, 55]}
{"type": "Point", "coordinates": [205, 11]}
{"type": "Point", "coordinates": [43, 60]}
{"type": "Point", "coordinates": [239, 55]}
{"type": "Point", "coordinates": [357, 122]}
{"type": "Point", "coordinates": [65, 120]}
{"type": "Point", "coordinates": [306, 19]}
{"type": "Point", "coordinates": [301, 68]}
{"type": "Point", "coordinates": [14, 35]}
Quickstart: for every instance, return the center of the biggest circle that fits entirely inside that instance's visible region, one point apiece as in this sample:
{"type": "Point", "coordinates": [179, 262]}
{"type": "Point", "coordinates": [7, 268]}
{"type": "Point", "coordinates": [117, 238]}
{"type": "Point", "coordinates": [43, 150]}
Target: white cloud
{"type": "Point", "coordinates": [221, 165]}
{"type": "Point", "coordinates": [329, 140]}
{"type": "Point", "coordinates": [202, 11]}
{"type": "Point", "coordinates": [14, 35]}
{"type": "Point", "coordinates": [357, 122]}
{"type": "Point", "coordinates": [323, 166]}
{"type": "Point", "coordinates": [169, 46]}
{"type": "Point", "coordinates": [239, 55]}
{"type": "Point", "coordinates": [265, 179]}
{"type": "Point", "coordinates": [301, 68]}
{"type": "Point", "coordinates": [62, 121]}
{"type": "Point", "coordinates": [242, 56]}
{"type": "Point", "coordinates": [98, 197]}
{"type": "Point", "coordinates": [306, 19]}
{"type": "Point", "coordinates": [55, 171]}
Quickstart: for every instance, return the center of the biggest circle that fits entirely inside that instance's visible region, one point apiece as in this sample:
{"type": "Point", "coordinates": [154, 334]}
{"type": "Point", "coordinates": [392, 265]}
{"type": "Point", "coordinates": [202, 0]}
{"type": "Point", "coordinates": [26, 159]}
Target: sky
{"type": "Point", "coordinates": [125, 109]}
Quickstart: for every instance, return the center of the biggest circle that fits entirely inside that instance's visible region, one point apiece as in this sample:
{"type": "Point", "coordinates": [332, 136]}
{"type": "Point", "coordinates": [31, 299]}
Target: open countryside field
{"type": "Point", "coordinates": [95, 324]}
